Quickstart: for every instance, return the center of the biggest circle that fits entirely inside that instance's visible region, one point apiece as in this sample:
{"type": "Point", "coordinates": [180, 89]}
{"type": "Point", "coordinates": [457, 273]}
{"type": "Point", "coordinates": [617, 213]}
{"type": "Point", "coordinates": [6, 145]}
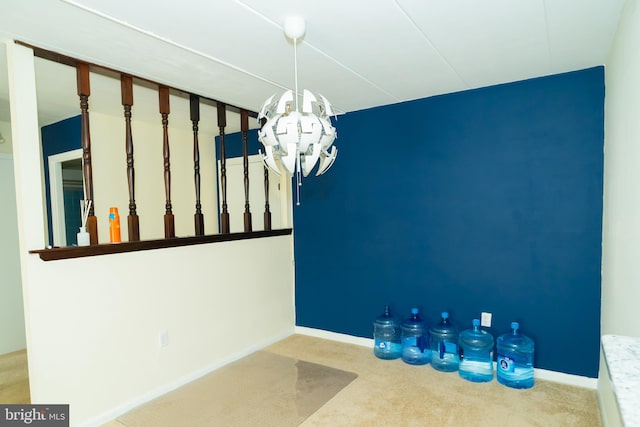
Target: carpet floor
{"type": "Point", "coordinates": [14, 378]}
{"type": "Point", "coordinates": [308, 381]}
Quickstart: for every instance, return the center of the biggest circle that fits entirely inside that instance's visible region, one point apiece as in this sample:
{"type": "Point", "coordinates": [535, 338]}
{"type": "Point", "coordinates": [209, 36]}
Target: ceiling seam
{"type": "Point", "coordinates": [217, 60]}
{"type": "Point", "coordinates": [428, 40]}
{"type": "Point", "coordinates": [321, 52]}
{"type": "Point", "coordinates": [171, 42]}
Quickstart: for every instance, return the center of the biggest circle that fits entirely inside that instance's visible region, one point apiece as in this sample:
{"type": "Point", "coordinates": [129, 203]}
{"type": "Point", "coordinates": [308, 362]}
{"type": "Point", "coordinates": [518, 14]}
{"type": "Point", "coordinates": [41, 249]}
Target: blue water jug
{"type": "Point", "coordinates": [444, 345]}
{"type": "Point", "coordinates": [415, 340]}
{"type": "Point", "coordinates": [476, 354]}
{"type": "Point", "coordinates": [387, 336]}
{"type": "Point", "coordinates": [515, 358]}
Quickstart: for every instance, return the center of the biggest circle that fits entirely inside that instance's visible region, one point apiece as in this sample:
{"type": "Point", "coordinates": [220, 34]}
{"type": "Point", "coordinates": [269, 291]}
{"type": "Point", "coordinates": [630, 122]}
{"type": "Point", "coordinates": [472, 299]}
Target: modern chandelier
{"type": "Point", "coordinates": [295, 139]}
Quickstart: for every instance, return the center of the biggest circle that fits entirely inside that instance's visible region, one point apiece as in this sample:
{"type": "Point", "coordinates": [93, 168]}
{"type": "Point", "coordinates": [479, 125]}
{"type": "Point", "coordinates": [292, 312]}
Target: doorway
{"type": "Point", "coordinates": [67, 190]}
{"type": "Point", "coordinates": [14, 381]}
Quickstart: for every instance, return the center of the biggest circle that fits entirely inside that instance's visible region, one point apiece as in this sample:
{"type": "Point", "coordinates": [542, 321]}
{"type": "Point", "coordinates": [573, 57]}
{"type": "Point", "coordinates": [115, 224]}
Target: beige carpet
{"type": "Point", "coordinates": [392, 393]}
{"type": "Point", "coordinates": [263, 389]}
{"type": "Point", "coordinates": [14, 378]}
{"type": "Point", "coordinates": [385, 393]}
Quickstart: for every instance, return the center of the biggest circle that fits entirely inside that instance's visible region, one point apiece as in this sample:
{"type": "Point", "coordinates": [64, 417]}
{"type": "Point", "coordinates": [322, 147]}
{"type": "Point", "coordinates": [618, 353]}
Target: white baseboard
{"type": "Point", "coordinates": [542, 374]}
{"type": "Point", "coordinates": [569, 379]}
{"type": "Point", "coordinates": [122, 409]}
{"type": "Point", "coordinates": [334, 336]}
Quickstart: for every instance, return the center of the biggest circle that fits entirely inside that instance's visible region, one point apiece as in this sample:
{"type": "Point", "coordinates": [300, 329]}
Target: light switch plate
{"type": "Point", "coordinates": [485, 319]}
{"type": "Point", "coordinates": [164, 339]}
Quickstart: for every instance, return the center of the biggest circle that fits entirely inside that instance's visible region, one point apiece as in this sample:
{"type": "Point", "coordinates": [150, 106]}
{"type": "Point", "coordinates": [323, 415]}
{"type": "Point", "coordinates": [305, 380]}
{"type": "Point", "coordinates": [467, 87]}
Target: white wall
{"type": "Point", "coordinates": [621, 217]}
{"type": "Point", "coordinates": [12, 335]}
{"type": "Point", "coordinates": [5, 130]}
{"type": "Point", "coordinates": [93, 324]}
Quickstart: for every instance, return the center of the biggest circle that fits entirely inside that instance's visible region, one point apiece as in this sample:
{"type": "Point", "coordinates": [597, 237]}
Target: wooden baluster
{"type": "Point", "coordinates": [244, 129]}
{"type": "Point", "coordinates": [133, 222]}
{"type": "Point", "coordinates": [169, 226]}
{"type": "Point", "coordinates": [267, 211]}
{"type": "Point", "coordinates": [222, 123]}
{"type": "Point", "coordinates": [195, 118]}
{"type": "Point", "coordinates": [84, 91]}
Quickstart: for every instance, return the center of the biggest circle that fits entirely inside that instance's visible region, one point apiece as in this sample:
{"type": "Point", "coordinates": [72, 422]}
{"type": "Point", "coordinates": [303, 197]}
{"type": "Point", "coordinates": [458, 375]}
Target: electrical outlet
{"type": "Point", "coordinates": [485, 319]}
{"type": "Point", "coordinates": [164, 339]}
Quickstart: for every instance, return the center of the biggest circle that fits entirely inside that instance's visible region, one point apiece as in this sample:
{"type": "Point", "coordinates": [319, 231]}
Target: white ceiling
{"type": "Point", "coordinates": [357, 53]}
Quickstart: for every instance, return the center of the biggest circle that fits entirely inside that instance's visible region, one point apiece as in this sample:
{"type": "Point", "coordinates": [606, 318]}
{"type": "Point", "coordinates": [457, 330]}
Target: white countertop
{"type": "Point", "coordinates": [622, 355]}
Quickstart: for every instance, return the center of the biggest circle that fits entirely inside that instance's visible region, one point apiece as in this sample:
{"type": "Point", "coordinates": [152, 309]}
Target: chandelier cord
{"type": "Point", "coordinates": [284, 150]}
{"type": "Point", "coordinates": [295, 70]}
{"type": "Point", "coordinates": [295, 74]}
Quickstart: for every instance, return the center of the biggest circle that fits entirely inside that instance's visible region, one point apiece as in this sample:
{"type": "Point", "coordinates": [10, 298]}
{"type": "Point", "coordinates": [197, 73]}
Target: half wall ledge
{"type": "Point", "coordinates": [69, 252]}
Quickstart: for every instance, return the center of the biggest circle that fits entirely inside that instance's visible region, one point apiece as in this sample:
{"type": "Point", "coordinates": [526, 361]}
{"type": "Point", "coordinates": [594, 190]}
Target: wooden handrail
{"type": "Point", "coordinates": [101, 69]}
{"type": "Point", "coordinates": [53, 254]}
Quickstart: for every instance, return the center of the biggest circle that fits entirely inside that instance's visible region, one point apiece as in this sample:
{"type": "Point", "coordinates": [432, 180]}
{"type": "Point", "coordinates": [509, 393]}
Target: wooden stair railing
{"type": "Point", "coordinates": [222, 123]}
{"type": "Point", "coordinates": [133, 222]}
{"type": "Point", "coordinates": [198, 217]}
{"type": "Point", "coordinates": [169, 224]}
{"type": "Point", "coordinates": [244, 129]}
{"type": "Point", "coordinates": [84, 91]}
{"type": "Point", "coordinates": [267, 212]}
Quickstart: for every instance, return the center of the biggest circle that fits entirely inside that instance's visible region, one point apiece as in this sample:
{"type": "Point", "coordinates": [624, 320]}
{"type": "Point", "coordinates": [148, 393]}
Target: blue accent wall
{"type": "Point", "coordinates": [233, 144]}
{"type": "Point", "coordinates": [58, 138]}
{"type": "Point", "coordinates": [483, 200]}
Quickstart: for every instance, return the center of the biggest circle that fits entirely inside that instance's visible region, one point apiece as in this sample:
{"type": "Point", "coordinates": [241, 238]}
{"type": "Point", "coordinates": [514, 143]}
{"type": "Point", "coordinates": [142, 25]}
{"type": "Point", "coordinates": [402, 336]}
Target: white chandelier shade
{"type": "Point", "coordinates": [294, 140]}
{"type": "Point", "coordinates": [297, 140]}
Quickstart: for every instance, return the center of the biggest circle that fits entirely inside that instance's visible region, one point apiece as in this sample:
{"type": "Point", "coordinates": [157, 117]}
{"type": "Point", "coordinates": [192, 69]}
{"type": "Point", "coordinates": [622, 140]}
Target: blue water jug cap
{"type": "Point", "coordinates": [476, 322]}
{"type": "Point", "coordinates": [515, 326]}
{"type": "Point", "coordinates": [445, 315]}
{"type": "Point", "coordinates": [386, 318]}
{"type": "Point", "coordinates": [414, 310]}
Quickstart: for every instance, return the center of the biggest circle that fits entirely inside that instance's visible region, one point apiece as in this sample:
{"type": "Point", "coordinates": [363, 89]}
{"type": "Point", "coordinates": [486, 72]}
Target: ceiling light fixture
{"type": "Point", "coordinates": [295, 140]}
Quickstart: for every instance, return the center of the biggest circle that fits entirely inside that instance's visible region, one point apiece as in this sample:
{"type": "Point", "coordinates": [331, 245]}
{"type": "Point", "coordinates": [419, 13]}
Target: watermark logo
{"type": "Point", "coordinates": [34, 415]}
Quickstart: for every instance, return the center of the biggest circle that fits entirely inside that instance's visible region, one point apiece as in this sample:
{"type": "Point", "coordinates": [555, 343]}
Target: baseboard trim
{"type": "Point", "coordinates": [334, 336]}
{"type": "Point", "coordinates": [569, 379]}
{"type": "Point", "coordinates": [122, 409]}
{"type": "Point", "coordinates": [543, 374]}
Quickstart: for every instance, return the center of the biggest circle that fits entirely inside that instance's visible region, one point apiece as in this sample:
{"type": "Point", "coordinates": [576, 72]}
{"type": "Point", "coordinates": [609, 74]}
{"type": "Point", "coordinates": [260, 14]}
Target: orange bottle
{"type": "Point", "coordinates": [114, 225]}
